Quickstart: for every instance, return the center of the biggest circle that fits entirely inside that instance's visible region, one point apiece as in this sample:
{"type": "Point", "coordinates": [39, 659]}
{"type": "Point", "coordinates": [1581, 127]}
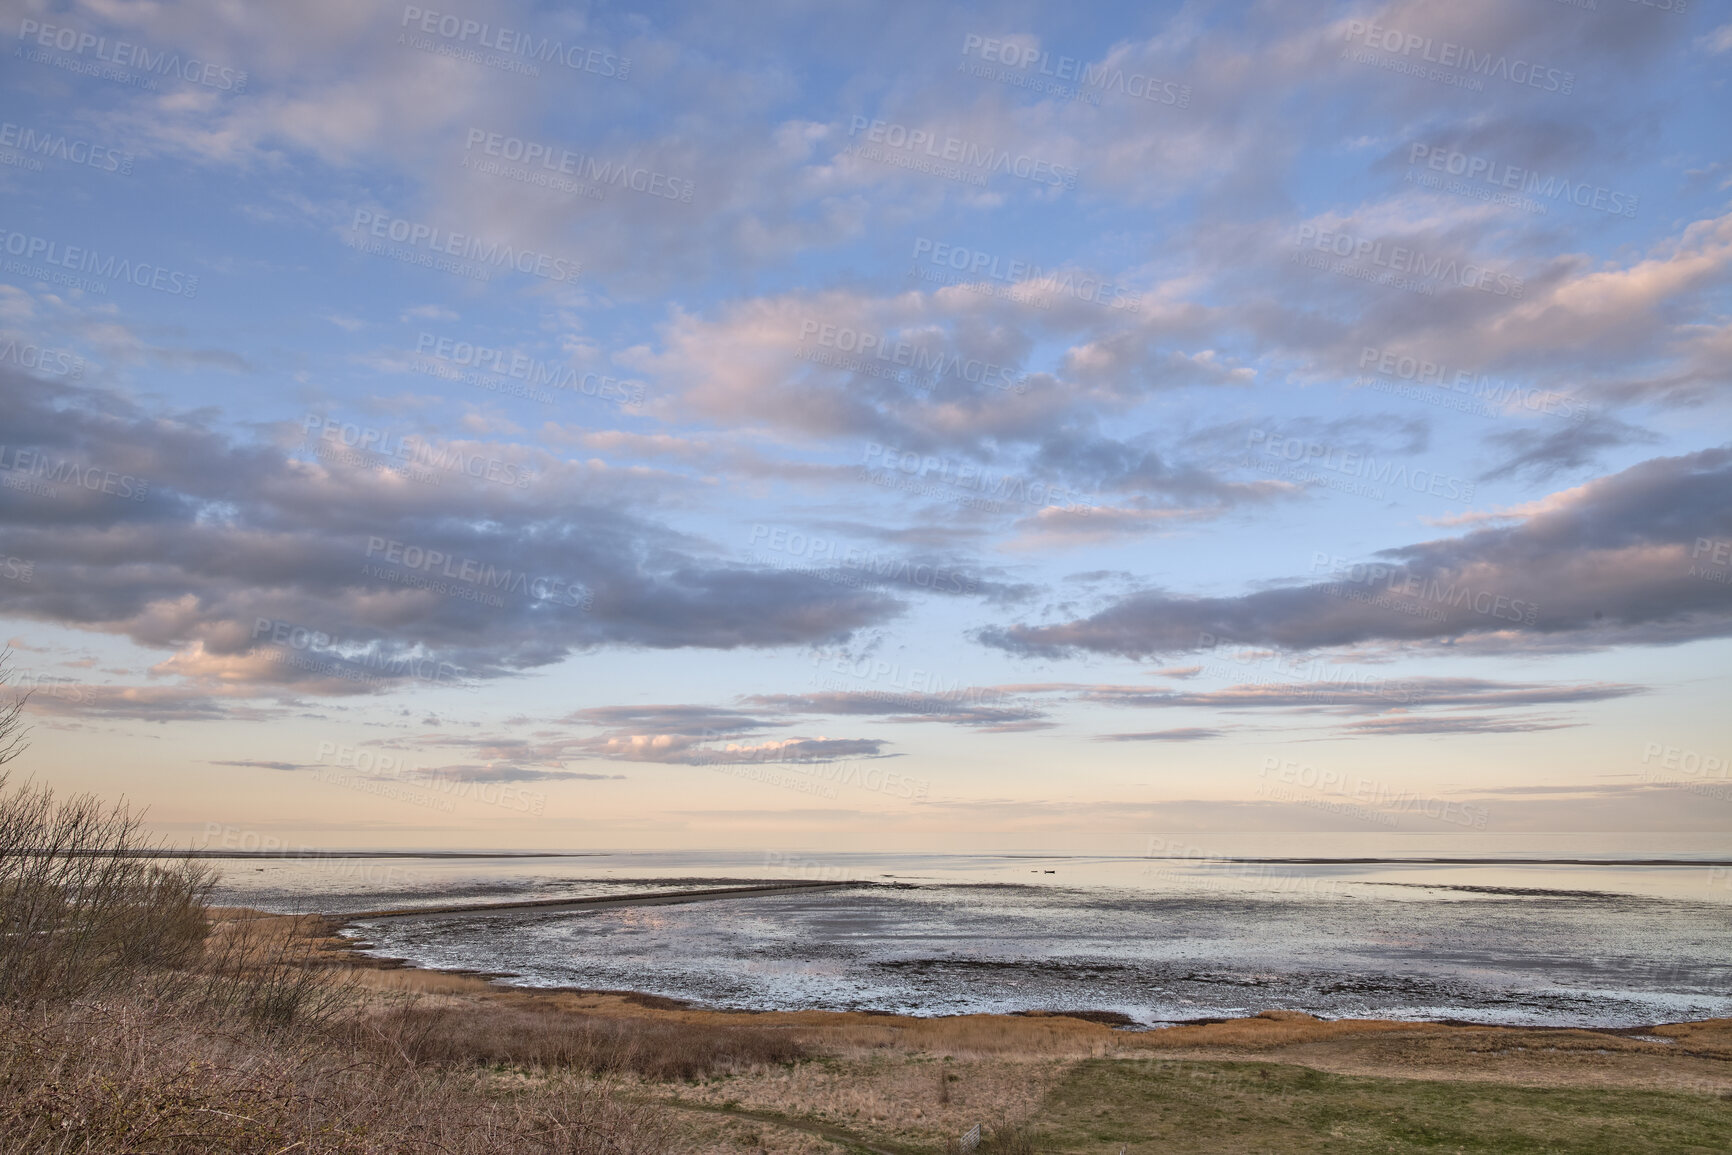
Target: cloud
{"type": "Point", "coordinates": [678, 750]}
{"type": "Point", "coordinates": [1636, 331]}
{"type": "Point", "coordinates": [506, 772]}
{"type": "Point", "coordinates": [673, 719]}
{"type": "Point", "coordinates": [1607, 562]}
{"type": "Point", "coordinates": [676, 735]}
{"type": "Point", "coordinates": [1544, 455]}
{"type": "Point", "coordinates": [144, 703]}
{"type": "Point", "coordinates": [363, 578]}
{"type": "Point", "coordinates": [947, 428]}
{"type": "Point", "coordinates": [1186, 734]}
{"type": "Point", "coordinates": [1454, 724]}
{"type": "Point", "coordinates": [254, 763]}
{"type": "Point", "coordinates": [1361, 694]}
{"type": "Point", "coordinates": [982, 707]}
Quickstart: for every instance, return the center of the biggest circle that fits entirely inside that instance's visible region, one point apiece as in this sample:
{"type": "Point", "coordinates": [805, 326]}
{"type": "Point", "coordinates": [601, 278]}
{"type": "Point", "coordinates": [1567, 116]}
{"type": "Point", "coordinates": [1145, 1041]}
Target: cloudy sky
{"type": "Point", "coordinates": [869, 426]}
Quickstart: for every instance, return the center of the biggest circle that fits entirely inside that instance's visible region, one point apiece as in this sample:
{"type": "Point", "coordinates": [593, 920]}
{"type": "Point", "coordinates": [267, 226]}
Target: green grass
{"type": "Point", "coordinates": [1148, 1106]}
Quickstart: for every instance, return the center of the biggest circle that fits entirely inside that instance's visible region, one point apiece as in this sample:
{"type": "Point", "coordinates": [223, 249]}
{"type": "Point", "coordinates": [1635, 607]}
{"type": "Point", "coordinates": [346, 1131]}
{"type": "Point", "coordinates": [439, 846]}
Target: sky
{"type": "Point", "coordinates": [870, 427]}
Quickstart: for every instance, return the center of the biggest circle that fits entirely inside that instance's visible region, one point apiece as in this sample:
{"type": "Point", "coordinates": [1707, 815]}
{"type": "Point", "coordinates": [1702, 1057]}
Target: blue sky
{"type": "Point", "coordinates": [998, 425]}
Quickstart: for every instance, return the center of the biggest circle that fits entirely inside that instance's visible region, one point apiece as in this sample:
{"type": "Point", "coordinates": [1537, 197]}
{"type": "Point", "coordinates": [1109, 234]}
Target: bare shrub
{"type": "Point", "coordinates": [12, 729]}
{"type": "Point", "coordinates": [85, 899]}
{"type": "Point", "coordinates": [88, 904]}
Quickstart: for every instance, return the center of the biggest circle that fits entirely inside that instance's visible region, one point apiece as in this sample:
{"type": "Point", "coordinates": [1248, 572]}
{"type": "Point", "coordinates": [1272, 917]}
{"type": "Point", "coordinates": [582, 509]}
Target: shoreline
{"type": "Point", "coordinates": [783, 1080]}
{"type": "Point", "coordinates": [1693, 1055]}
{"type": "Point", "coordinates": [1116, 1022]}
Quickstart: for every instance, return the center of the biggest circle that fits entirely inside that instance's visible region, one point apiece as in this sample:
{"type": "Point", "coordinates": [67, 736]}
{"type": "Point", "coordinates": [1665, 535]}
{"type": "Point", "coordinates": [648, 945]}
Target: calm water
{"type": "Point", "coordinates": [1159, 940]}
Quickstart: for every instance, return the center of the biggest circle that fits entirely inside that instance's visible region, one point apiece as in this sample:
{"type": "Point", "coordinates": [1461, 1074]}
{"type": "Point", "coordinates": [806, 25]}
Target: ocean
{"type": "Point", "coordinates": [1383, 929]}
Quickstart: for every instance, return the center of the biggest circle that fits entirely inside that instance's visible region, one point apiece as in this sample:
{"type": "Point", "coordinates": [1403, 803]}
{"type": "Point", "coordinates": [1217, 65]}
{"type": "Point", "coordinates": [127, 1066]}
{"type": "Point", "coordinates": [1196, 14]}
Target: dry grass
{"type": "Point", "coordinates": [270, 971]}
{"type": "Point", "coordinates": [653, 1050]}
{"type": "Point", "coordinates": [142, 1077]}
{"type": "Point", "coordinates": [847, 1034]}
{"type": "Point", "coordinates": [895, 1096]}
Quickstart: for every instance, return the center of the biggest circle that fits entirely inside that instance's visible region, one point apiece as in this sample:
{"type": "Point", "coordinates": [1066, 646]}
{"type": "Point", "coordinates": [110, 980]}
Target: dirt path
{"type": "Point", "coordinates": [826, 1131]}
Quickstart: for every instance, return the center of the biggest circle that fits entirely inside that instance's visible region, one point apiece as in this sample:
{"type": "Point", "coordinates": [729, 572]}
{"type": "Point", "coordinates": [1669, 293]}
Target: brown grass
{"type": "Point", "coordinates": [145, 1078]}
{"type": "Point", "coordinates": [894, 1096]}
{"type": "Point", "coordinates": [654, 1050]}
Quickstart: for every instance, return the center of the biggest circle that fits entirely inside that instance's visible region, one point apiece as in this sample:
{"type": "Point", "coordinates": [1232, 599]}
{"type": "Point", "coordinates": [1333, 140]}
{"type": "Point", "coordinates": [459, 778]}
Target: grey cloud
{"type": "Point", "coordinates": [1455, 724]}
{"type": "Point", "coordinates": [1586, 790]}
{"type": "Point", "coordinates": [1606, 562]}
{"type": "Point", "coordinates": [746, 364]}
{"type": "Point", "coordinates": [509, 773]}
{"type": "Point", "coordinates": [792, 750]}
{"type": "Point", "coordinates": [1543, 455]}
{"type": "Point", "coordinates": [1369, 695]}
{"type": "Point", "coordinates": [156, 703]}
{"type": "Point", "coordinates": [682, 735]}
{"type": "Point", "coordinates": [974, 706]}
{"type": "Point", "coordinates": [1186, 734]}
{"type": "Point", "coordinates": [689, 721]}
{"type": "Point", "coordinates": [1099, 463]}
{"type": "Point", "coordinates": [685, 735]}
{"type": "Point", "coordinates": [228, 534]}
{"type": "Point", "coordinates": [261, 765]}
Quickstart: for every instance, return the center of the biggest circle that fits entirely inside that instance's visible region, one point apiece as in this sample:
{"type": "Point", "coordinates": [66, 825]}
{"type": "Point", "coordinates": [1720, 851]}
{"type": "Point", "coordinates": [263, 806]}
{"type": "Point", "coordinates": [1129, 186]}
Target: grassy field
{"type": "Point", "coordinates": [1148, 1106]}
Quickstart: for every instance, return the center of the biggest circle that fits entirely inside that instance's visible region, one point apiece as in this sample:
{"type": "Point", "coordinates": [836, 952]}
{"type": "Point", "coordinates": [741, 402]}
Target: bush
{"type": "Point", "coordinates": [85, 900]}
